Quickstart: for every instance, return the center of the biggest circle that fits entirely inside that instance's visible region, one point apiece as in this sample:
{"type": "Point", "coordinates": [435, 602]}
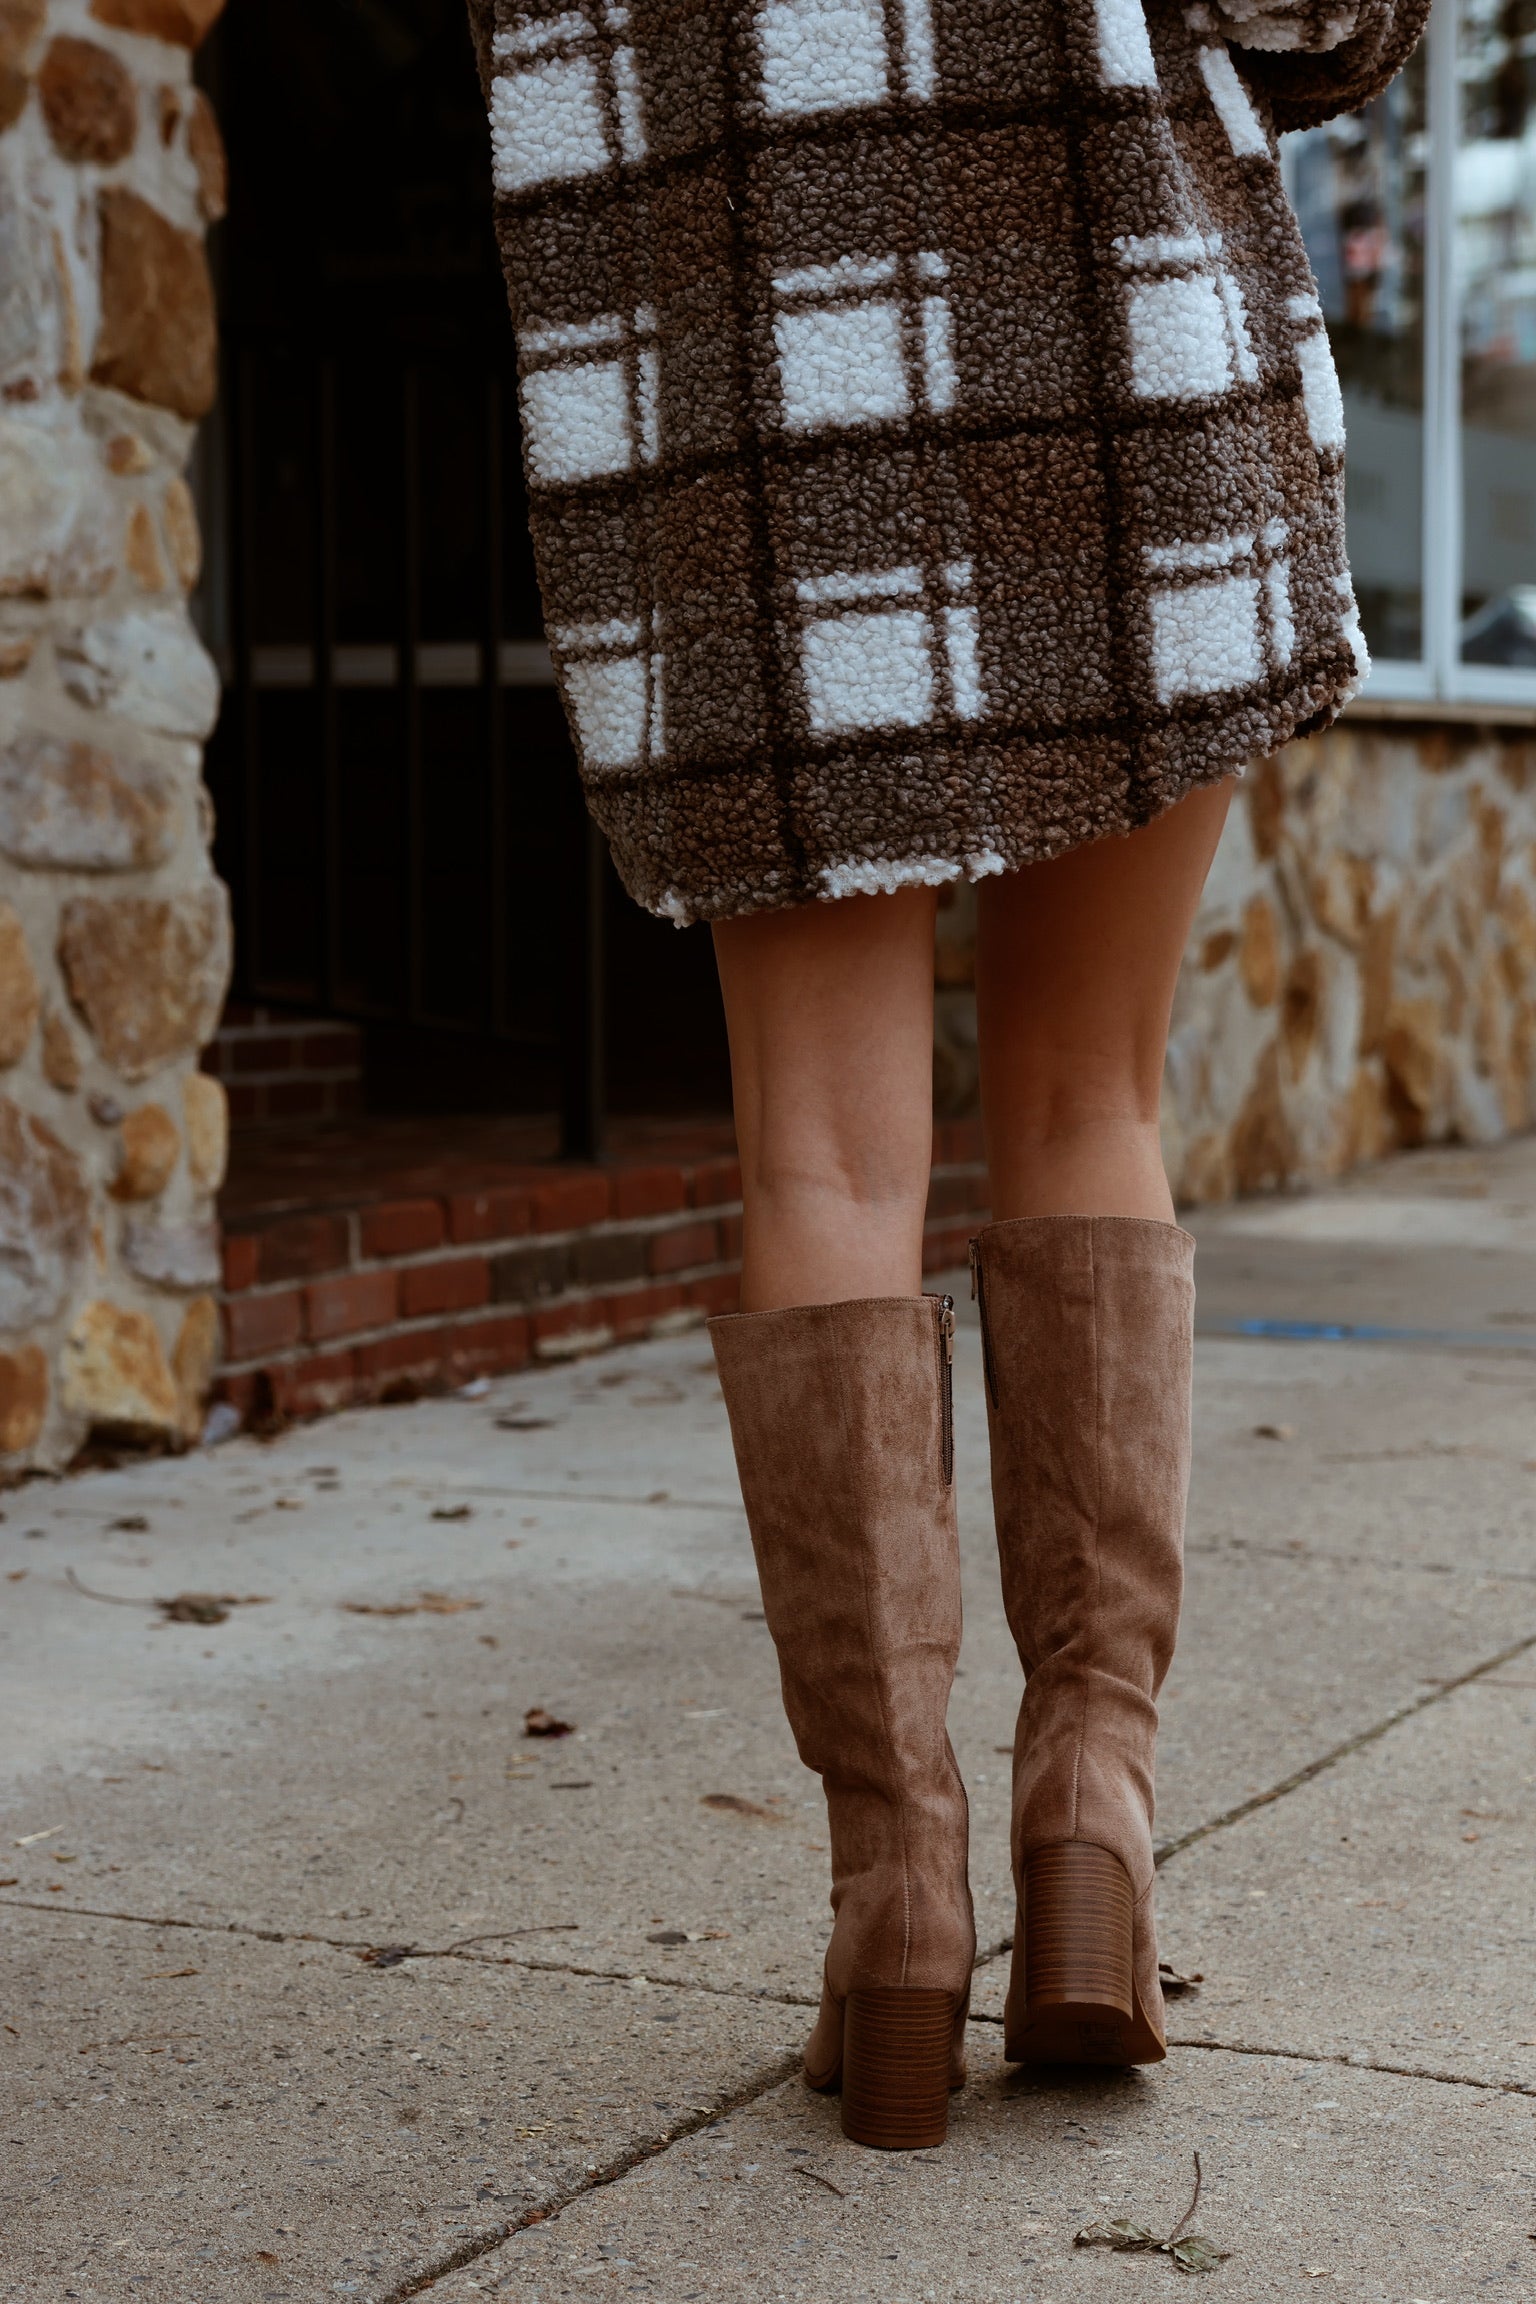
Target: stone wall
{"type": "Point", "coordinates": [114, 934]}
{"type": "Point", "coordinates": [1362, 973]}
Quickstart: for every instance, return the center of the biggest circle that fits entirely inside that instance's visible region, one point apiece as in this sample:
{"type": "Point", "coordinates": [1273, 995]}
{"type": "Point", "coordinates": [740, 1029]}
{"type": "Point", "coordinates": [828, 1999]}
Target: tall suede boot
{"type": "Point", "coordinates": [842, 1419]}
{"type": "Point", "coordinates": [1087, 1328]}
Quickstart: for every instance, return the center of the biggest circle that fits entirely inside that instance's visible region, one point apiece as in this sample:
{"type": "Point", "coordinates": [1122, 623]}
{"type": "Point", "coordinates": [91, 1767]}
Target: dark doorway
{"type": "Point", "coordinates": [399, 816]}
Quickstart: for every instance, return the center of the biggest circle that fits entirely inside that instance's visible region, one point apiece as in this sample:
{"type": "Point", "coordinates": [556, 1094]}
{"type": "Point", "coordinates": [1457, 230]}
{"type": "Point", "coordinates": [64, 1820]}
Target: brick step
{"type": "Point", "coordinates": [388, 1298]}
{"type": "Point", "coordinates": [278, 1068]}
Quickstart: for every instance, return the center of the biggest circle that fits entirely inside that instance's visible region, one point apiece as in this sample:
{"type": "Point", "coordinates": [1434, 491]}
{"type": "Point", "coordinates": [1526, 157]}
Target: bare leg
{"type": "Point", "coordinates": [1076, 966]}
{"type": "Point", "coordinates": [830, 1013]}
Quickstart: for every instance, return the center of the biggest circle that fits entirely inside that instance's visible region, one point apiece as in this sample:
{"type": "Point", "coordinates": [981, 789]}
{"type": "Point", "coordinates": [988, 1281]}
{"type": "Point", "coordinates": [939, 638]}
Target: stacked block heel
{"type": "Point", "coordinates": [896, 2049]}
{"type": "Point", "coordinates": [1080, 2001]}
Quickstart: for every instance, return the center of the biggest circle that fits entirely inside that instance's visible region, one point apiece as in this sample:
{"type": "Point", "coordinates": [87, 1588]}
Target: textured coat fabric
{"type": "Point", "coordinates": [935, 453]}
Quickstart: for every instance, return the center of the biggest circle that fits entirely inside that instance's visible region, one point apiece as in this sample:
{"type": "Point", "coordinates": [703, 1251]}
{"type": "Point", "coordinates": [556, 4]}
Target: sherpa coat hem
{"type": "Point", "coordinates": [933, 445]}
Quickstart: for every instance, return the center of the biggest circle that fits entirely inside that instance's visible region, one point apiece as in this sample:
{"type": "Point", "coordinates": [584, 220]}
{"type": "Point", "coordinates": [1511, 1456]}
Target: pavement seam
{"type": "Point", "coordinates": [622, 2164]}
{"type": "Point", "coordinates": [1353, 2063]}
{"type": "Point", "coordinates": [1351, 1744]}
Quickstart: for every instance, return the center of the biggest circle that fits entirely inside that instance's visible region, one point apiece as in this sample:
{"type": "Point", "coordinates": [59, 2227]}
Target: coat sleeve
{"type": "Point", "coordinates": [1312, 59]}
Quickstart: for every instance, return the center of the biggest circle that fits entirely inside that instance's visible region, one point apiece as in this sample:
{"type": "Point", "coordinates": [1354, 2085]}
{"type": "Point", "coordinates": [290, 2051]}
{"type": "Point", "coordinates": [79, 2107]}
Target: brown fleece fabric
{"type": "Point", "coordinates": [839, 1417]}
{"type": "Point", "coordinates": [1088, 1325]}
{"type": "Point", "coordinates": [935, 453]}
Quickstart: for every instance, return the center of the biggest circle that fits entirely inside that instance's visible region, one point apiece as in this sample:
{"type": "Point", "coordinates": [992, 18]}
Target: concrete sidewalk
{"type": "Point", "coordinates": [321, 1978]}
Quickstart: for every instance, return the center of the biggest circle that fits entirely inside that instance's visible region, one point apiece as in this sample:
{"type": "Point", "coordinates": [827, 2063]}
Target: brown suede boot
{"type": "Point", "coordinates": [1087, 1328]}
{"type": "Point", "coordinates": [842, 1419]}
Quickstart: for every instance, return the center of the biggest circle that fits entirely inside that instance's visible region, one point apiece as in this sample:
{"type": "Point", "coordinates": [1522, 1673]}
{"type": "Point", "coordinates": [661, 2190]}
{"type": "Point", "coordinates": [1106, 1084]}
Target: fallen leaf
{"type": "Point", "coordinates": [538, 1722]}
{"type": "Point", "coordinates": [524, 1423]}
{"type": "Point", "coordinates": [732, 1804]}
{"type": "Point", "coordinates": [14, 1881]}
{"type": "Point", "coordinates": [265, 2256]}
{"type": "Point", "coordinates": [577, 1784]}
{"type": "Point", "coordinates": [169, 1975]}
{"type": "Point", "coordinates": [131, 1524]}
{"type": "Point", "coordinates": [1274, 1431]}
{"type": "Point", "coordinates": [453, 1512]}
{"type": "Point", "coordinates": [811, 2177]}
{"type": "Point", "coordinates": [385, 1955]}
{"type": "Point", "coordinates": [1121, 2233]}
{"type": "Point", "coordinates": [1197, 2254]}
{"type": "Point", "coordinates": [668, 1936]}
{"type": "Point", "coordinates": [14, 1575]}
{"type": "Point", "coordinates": [1173, 1983]}
{"type": "Point", "coordinates": [206, 1607]}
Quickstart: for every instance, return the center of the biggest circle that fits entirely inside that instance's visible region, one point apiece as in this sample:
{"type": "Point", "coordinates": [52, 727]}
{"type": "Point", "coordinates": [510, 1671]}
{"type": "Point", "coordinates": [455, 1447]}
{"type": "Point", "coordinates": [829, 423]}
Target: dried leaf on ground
{"type": "Point", "coordinates": [732, 1804]}
{"type": "Point", "coordinates": [1274, 1431]}
{"type": "Point", "coordinates": [453, 1512]}
{"type": "Point", "coordinates": [1173, 1983]}
{"type": "Point", "coordinates": [1120, 2233]}
{"type": "Point", "coordinates": [525, 1423]}
{"type": "Point", "coordinates": [169, 1975]}
{"type": "Point", "coordinates": [131, 1524]}
{"type": "Point", "coordinates": [385, 1955]}
{"type": "Point", "coordinates": [1191, 2252]}
{"type": "Point", "coordinates": [1197, 2254]}
{"type": "Point", "coordinates": [811, 2177]}
{"type": "Point", "coordinates": [206, 1607]}
{"type": "Point", "coordinates": [424, 1604]}
{"type": "Point", "coordinates": [538, 1722]}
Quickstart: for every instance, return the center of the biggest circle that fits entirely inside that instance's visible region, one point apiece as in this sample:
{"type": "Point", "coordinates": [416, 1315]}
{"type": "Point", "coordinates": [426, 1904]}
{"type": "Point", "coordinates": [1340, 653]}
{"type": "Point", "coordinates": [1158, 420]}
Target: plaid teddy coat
{"type": "Point", "coordinates": [934, 450]}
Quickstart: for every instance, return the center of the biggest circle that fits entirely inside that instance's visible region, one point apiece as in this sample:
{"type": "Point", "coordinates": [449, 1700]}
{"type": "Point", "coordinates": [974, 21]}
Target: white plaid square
{"type": "Point", "coordinates": [1185, 318]}
{"type": "Point", "coordinates": [878, 660]}
{"type": "Point", "coordinates": [832, 55]}
{"type": "Point", "coordinates": [848, 333]}
{"type": "Point", "coordinates": [549, 118]}
{"type": "Point", "coordinates": [587, 418]}
{"type": "Point", "coordinates": [614, 685]}
{"type": "Point", "coordinates": [1205, 638]}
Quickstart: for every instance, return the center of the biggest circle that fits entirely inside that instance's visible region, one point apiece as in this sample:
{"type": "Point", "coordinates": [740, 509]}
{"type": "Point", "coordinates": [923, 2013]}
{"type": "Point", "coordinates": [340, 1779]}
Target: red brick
{"type": "Point", "coordinates": [649, 1191]}
{"type": "Point", "coordinates": [315, 1386]}
{"type": "Point", "coordinates": [568, 1202]}
{"type": "Point", "coordinates": [730, 1239]}
{"type": "Point", "coordinates": [295, 1099]}
{"type": "Point", "coordinates": [489, 1347]}
{"type": "Point", "coordinates": [418, 1353]}
{"type": "Point", "coordinates": [684, 1244]}
{"type": "Point", "coordinates": [721, 1292]}
{"type": "Point", "coordinates": [268, 1054]}
{"type": "Point", "coordinates": [349, 1301]}
{"type": "Point", "coordinates": [456, 1284]}
{"type": "Point", "coordinates": [503, 1213]}
{"type": "Point", "coordinates": [716, 1183]}
{"type": "Point", "coordinates": [329, 1051]}
{"type": "Point", "coordinates": [402, 1227]}
{"type": "Point", "coordinates": [586, 1317]}
{"type": "Point", "coordinates": [242, 1254]}
{"type": "Point", "coordinates": [255, 1325]}
{"type": "Point", "coordinates": [298, 1246]}
{"type": "Point", "coordinates": [635, 1314]}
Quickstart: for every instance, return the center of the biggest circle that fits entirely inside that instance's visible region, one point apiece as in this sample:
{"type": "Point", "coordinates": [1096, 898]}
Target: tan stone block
{"type": "Point", "coordinates": [149, 1147]}
{"type": "Point", "coordinates": [15, 88]}
{"type": "Point", "coordinates": [23, 1398]}
{"type": "Point", "coordinates": [20, 998]}
{"type": "Point", "coordinates": [1263, 1146]}
{"type": "Point", "coordinates": [179, 513]}
{"type": "Point", "coordinates": [1517, 764]}
{"type": "Point", "coordinates": [205, 146]}
{"type": "Point", "coordinates": [1302, 1009]}
{"type": "Point", "coordinates": [20, 23]}
{"type": "Point", "coordinates": [113, 1372]}
{"type": "Point", "coordinates": [1413, 1045]}
{"type": "Point", "coordinates": [89, 102]}
{"type": "Point", "coordinates": [1519, 917]}
{"type": "Point", "coordinates": [70, 807]}
{"type": "Point", "coordinates": [148, 974]}
{"type": "Point", "coordinates": [71, 335]}
{"type": "Point", "coordinates": [45, 1219]}
{"type": "Point", "coordinates": [206, 1110]}
{"type": "Point", "coordinates": [1490, 844]}
{"type": "Point", "coordinates": [127, 454]}
{"type": "Point", "coordinates": [194, 1360]}
{"type": "Point", "coordinates": [1378, 971]}
{"type": "Point", "coordinates": [185, 22]}
{"type": "Point", "coordinates": [16, 652]}
{"type": "Point", "coordinates": [1259, 958]}
{"type": "Point", "coordinates": [158, 337]}
{"type": "Point", "coordinates": [1218, 947]}
{"type": "Point", "coordinates": [1456, 991]}
{"type": "Point", "coordinates": [61, 1057]}
{"type": "Point", "coordinates": [1206, 1171]}
{"type": "Point", "coordinates": [1264, 786]}
{"type": "Point", "coordinates": [1368, 1126]}
{"type": "Point", "coordinates": [141, 551]}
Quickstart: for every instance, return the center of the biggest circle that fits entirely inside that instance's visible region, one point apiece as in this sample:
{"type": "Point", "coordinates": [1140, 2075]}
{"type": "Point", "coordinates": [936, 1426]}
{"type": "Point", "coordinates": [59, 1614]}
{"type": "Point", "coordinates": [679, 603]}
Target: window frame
{"type": "Point", "coordinates": [1438, 674]}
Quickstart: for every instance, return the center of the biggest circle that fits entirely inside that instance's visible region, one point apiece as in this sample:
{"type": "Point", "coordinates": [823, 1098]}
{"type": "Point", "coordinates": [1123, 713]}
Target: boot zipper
{"type": "Point", "coordinates": [947, 1384]}
{"type": "Point", "coordinates": [979, 1298]}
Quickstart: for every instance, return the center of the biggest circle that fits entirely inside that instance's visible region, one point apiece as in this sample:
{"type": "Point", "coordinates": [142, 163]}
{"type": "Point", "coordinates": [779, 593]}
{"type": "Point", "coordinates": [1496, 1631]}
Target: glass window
{"type": "Point", "coordinates": [1495, 206]}
{"type": "Point", "coordinates": [1358, 185]}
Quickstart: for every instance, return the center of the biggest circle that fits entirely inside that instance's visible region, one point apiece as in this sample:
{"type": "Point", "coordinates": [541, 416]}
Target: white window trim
{"type": "Point", "coordinates": [1439, 676]}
